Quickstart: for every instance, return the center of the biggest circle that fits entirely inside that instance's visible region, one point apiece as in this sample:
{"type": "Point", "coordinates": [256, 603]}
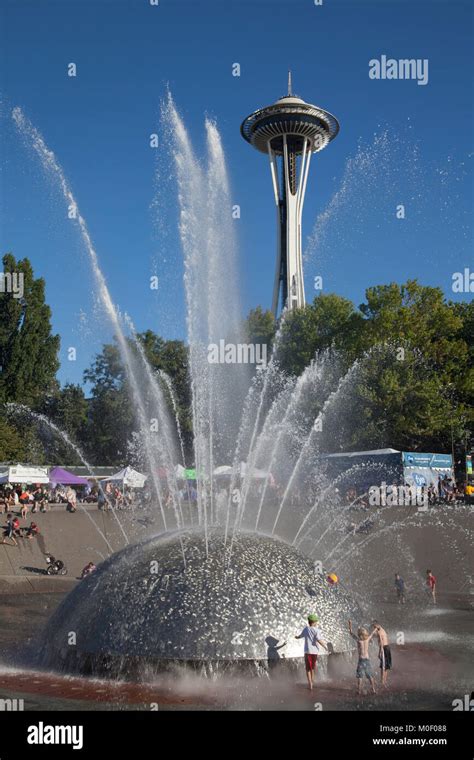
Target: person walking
{"type": "Point", "coordinates": [8, 532]}
{"type": "Point", "coordinates": [431, 583]}
{"type": "Point", "coordinates": [400, 587]}
{"type": "Point", "coordinates": [71, 499]}
{"type": "Point", "coordinates": [313, 640]}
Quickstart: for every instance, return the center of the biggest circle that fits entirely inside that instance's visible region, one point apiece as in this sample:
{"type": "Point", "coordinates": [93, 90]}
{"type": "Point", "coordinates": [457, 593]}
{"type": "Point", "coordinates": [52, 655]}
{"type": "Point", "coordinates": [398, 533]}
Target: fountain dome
{"type": "Point", "coordinates": [144, 605]}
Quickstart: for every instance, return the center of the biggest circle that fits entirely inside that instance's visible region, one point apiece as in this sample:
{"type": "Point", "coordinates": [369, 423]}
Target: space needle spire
{"type": "Point", "coordinates": [289, 131]}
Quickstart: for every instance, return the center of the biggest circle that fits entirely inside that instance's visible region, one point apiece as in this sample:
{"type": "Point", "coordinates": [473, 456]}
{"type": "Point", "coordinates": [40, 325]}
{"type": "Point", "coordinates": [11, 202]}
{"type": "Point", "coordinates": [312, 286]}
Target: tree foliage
{"type": "Point", "coordinates": [28, 349]}
{"type": "Point", "coordinates": [407, 350]}
{"type": "Point", "coordinates": [414, 384]}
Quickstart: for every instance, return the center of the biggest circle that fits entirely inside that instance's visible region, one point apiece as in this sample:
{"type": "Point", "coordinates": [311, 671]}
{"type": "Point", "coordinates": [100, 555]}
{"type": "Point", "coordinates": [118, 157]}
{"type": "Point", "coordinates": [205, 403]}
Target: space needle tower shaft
{"type": "Point", "coordinates": [289, 131]}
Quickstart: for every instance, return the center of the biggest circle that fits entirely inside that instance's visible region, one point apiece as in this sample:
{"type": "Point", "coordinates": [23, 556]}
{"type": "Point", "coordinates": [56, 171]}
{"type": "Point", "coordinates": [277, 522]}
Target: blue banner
{"type": "Point", "coordinates": [415, 459]}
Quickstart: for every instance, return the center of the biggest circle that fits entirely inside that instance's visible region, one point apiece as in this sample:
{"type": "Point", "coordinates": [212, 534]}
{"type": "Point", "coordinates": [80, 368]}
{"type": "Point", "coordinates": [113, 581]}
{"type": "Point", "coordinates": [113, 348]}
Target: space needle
{"type": "Point", "coordinates": [289, 131]}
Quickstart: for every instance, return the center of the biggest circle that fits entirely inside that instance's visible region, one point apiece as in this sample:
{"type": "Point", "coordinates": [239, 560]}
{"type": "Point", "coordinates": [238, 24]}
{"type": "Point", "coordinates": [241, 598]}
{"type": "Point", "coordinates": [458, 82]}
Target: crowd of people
{"type": "Point", "coordinates": [445, 491]}
{"type": "Point", "coordinates": [35, 498]}
{"type": "Point", "coordinates": [111, 496]}
{"type": "Point", "coordinates": [39, 498]}
{"type": "Point", "coordinates": [115, 495]}
{"type": "Point", "coordinates": [13, 530]}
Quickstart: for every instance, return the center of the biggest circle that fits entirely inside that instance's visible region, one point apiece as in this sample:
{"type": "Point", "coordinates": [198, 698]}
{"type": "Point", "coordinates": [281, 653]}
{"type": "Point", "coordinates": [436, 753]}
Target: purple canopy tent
{"type": "Point", "coordinates": [65, 478]}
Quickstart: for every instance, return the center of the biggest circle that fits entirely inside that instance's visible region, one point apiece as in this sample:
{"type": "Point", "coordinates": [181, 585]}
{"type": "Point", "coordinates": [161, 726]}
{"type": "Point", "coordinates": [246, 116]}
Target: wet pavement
{"type": "Point", "coordinates": [434, 666]}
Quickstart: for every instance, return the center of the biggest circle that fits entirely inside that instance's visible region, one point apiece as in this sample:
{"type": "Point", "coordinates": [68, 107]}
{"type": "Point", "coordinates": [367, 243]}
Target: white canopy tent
{"type": "Point", "coordinates": [260, 474]}
{"type": "Point", "coordinates": [128, 477]}
{"type": "Point", "coordinates": [224, 469]}
{"type": "Point", "coordinates": [19, 473]}
{"type": "Point", "coordinates": [255, 473]}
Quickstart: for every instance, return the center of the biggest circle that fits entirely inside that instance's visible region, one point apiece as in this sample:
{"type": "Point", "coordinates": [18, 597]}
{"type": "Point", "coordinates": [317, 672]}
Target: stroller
{"type": "Point", "coordinates": [55, 566]}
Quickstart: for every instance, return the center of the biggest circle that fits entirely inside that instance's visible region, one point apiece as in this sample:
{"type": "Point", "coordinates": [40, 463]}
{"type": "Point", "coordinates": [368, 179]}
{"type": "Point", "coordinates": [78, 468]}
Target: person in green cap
{"type": "Point", "coordinates": [312, 635]}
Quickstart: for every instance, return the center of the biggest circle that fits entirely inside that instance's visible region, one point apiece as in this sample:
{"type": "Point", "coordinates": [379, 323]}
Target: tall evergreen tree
{"type": "Point", "coordinates": [28, 349]}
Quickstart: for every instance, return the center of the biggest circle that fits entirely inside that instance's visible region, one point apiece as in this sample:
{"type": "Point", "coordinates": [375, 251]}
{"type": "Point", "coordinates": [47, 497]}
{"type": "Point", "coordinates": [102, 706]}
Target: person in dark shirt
{"type": "Point", "coordinates": [400, 587]}
{"type": "Point", "coordinates": [8, 532]}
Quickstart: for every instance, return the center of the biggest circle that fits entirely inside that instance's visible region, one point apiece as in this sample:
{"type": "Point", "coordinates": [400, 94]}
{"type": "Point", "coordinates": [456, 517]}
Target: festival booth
{"type": "Point", "coordinates": [224, 470]}
{"type": "Point", "coordinates": [426, 469]}
{"type": "Point", "coordinates": [127, 477]}
{"type": "Point", "coordinates": [364, 468]}
{"type": "Point", "coordinates": [256, 474]}
{"type": "Point", "coordinates": [25, 474]}
{"type": "Point", "coordinates": [369, 468]}
{"type": "Point", "coordinates": [58, 476]}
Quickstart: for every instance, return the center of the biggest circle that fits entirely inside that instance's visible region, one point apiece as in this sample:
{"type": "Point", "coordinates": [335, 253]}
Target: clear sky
{"type": "Point", "coordinates": [400, 143]}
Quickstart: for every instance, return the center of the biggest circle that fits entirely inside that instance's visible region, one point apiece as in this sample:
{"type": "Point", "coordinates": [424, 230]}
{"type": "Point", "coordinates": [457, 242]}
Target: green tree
{"type": "Point", "coordinates": [68, 409]}
{"type": "Point", "coordinates": [28, 350]}
{"type": "Point", "coordinates": [110, 417]}
{"type": "Point", "coordinates": [13, 445]}
{"type": "Point", "coordinates": [413, 393]}
{"type": "Point", "coordinates": [396, 403]}
{"type": "Point", "coordinates": [171, 357]}
{"type": "Point", "coordinates": [412, 386]}
{"type": "Point", "coordinates": [330, 321]}
{"type": "Point", "coordinates": [260, 328]}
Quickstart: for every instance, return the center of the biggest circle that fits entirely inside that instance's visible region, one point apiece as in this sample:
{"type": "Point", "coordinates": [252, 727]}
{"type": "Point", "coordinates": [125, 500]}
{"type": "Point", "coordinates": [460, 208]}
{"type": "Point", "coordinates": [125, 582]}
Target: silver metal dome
{"type": "Point", "coordinates": [143, 604]}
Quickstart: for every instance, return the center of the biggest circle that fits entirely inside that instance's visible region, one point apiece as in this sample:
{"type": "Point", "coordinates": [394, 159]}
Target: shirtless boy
{"type": "Point", "coordinates": [363, 665]}
{"type": "Point", "coordinates": [385, 654]}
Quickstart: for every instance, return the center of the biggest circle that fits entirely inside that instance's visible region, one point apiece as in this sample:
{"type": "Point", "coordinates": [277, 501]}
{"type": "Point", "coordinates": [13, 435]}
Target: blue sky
{"type": "Point", "coordinates": [400, 143]}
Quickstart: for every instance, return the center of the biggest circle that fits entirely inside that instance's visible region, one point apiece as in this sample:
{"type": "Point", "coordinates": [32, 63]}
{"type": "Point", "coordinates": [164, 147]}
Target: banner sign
{"type": "Point", "coordinates": [415, 459]}
{"type": "Point", "coordinates": [23, 474]}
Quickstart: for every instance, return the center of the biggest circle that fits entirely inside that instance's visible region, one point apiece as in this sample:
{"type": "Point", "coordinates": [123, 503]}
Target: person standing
{"type": "Point", "coordinates": [24, 499]}
{"type": "Point", "coordinates": [441, 491]}
{"type": "Point", "coordinates": [400, 587]}
{"type": "Point", "coordinates": [71, 499]}
{"type": "Point", "coordinates": [24, 509]}
{"type": "Point", "coordinates": [431, 583]}
{"type": "Point", "coordinates": [313, 640]}
{"type": "Point", "coordinates": [385, 654]}
{"type": "Point", "coordinates": [101, 500]}
{"type": "Point", "coordinates": [364, 666]}
{"type": "Point", "coordinates": [469, 493]}
{"type": "Point", "coordinates": [109, 495]}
